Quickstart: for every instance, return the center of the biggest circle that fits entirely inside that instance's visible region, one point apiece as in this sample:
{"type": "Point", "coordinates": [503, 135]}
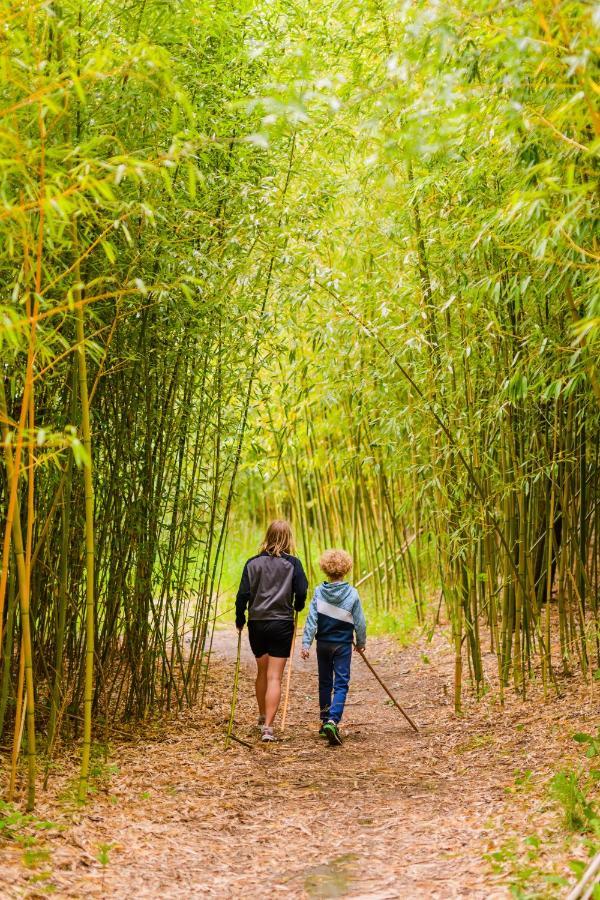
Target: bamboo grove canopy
{"type": "Point", "coordinates": [334, 260]}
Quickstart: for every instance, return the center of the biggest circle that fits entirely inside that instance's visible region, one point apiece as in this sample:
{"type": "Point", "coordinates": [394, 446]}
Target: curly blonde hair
{"type": "Point", "coordinates": [335, 563]}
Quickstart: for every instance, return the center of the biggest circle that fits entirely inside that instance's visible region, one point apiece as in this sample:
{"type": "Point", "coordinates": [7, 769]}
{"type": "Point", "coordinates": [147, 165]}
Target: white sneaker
{"type": "Point", "coordinates": [266, 733]}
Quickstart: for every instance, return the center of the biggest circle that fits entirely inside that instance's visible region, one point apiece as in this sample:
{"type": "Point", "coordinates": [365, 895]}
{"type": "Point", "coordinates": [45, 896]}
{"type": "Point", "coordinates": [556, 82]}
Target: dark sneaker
{"type": "Point", "coordinates": [322, 732]}
{"type": "Point", "coordinates": [332, 733]}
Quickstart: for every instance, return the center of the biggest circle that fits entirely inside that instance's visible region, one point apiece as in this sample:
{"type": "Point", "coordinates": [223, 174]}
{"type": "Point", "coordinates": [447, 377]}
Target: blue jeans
{"type": "Point", "coordinates": [334, 676]}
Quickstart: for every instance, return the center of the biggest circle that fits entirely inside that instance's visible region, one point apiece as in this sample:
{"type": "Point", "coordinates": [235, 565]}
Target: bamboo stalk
{"type": "Point", "coordinates": [24, 603]}
{"type": "Point", "coordinates": [20, 713]}
{"type": "Point", "coordinates": [89, 546]}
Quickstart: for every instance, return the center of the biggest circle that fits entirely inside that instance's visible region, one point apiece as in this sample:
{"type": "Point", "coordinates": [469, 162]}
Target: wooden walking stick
{"type": "Point", "coordinates": [236, 679]}
{"type": "Point", "coordinates": [289, 676]}
{"type": "Point", "coordinates": [387, 690]}
{"type": "Point", "coordinates": [585, 887]}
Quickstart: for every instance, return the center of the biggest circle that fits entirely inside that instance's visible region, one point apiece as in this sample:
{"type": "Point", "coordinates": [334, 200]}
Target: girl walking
{"type": "Point", "coordinates": [273, 586]}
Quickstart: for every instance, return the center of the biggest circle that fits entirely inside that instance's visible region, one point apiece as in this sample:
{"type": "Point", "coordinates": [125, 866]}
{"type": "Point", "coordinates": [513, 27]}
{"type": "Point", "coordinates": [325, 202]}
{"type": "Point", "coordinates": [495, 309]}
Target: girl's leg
{"type": "Point", "coordinates": [275, 667]}
{"type": "Point", "coordinates": [342, 658]}
{"type": "Point", "coordinates": [325, 664]}
{"type": "Point", "coordinates": [262, 663]}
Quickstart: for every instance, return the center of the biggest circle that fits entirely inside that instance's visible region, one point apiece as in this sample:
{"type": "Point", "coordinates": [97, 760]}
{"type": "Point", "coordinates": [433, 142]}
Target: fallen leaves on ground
{"type": "Point", "coordinates": [389, 814]}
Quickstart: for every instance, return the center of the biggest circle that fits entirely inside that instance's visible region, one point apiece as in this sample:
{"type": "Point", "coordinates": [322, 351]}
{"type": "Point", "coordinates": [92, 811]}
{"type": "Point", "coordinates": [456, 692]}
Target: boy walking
{"type": "Point", "coordinates": [335, 614]}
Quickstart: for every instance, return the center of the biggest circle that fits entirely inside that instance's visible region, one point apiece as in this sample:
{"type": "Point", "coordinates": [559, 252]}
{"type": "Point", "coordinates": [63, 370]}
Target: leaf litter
{"type": "Point", "coordinates": [389, 814]}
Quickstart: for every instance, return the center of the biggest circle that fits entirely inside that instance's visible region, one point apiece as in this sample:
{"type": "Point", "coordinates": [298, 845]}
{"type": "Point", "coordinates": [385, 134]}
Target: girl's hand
{"type": "Point", "coordinates": [304, 653]}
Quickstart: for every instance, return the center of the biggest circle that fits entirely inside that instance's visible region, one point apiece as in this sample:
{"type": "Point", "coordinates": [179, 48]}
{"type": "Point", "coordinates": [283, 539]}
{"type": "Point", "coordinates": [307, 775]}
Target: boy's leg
{"type": "Point", "coordinates": [325, 664]}
{"type": "Point", "coordinates": [342, 659]}
{"type": "Point", "coordinates": [275, 667]}
{"type": "Point", "coordinates": [262, 664]}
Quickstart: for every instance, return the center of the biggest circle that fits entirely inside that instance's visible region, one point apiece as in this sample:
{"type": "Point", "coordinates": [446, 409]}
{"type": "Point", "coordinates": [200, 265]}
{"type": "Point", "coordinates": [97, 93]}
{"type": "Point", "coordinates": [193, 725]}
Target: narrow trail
{"type": "Point", "coordinates": [390, 814]}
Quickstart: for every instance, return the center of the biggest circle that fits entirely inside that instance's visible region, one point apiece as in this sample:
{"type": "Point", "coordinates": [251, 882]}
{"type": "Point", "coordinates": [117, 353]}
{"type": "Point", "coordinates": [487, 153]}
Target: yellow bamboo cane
{"type": "Point", "coordinates": [24, 598]}
{"type": "Point", "coordinates": [19, 723]}
{"type": "Point", "coordinates": [289, 676]}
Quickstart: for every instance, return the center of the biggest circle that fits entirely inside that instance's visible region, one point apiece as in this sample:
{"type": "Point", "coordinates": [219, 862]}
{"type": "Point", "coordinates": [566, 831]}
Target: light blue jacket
{"type": "Point", "coordinates": [335, 613]}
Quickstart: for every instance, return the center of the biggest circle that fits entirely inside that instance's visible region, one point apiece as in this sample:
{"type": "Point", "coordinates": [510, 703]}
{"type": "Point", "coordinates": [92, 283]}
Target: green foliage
{"type": "Point", "coordinates": [523, 865]}
{"type": "Point", "coordinates": [434, 379]}
{"type": "Point", "coordinates": [127, 186]}
{"type": "Point", "coordinates": [590, 741]}
{"type": "Point", "coordinates": [34, 857]}
{"type": "Point", "coordinates": [579, 813]}
{"type": "Point", "coordinates": [523, 779]}
{"type": "Point", "coordinates": [21, 827]}
{"type": "Point", "coordinates": [576, 791]}
{"type": "Point", "coordinates": [103, 854]}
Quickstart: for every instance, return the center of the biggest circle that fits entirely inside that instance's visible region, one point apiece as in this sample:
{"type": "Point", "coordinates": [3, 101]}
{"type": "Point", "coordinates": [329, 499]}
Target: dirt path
{"type": "Point", "coordinates": [390, 814]}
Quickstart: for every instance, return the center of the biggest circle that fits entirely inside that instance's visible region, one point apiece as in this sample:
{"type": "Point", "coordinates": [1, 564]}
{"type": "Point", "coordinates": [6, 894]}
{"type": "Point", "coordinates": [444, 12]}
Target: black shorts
{"type": "Point", "coordinates": [272, 636]}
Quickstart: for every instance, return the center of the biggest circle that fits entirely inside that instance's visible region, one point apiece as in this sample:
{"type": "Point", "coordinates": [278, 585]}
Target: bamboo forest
{"type": "Point", "coordinates": [328, 264]}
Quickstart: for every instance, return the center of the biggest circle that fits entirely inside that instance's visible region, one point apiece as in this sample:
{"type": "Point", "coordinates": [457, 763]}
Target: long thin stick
{"type": "Point", "coordinates": [289, 675]}
{"type": "Point", "coordinates": [585, 886]}
{"type": "Point", "coordinates": [240, 741]}
{"type": "Point", "coordinates": [387, 690]}
{"type": "Point", "coordinates": [236, 679]}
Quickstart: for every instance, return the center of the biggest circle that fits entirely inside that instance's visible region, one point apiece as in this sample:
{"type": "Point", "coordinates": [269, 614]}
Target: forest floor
{"type": "Point", "coordinates": [461, 809]}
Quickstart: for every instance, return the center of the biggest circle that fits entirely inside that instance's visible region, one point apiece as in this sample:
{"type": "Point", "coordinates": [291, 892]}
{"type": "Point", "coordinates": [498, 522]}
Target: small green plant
{"type": "Point", "coordinates": [17, 826]}
{"type": "Point", "coordinates": [506, 853]}
{"type": "Point", "coordinates": [523, 779]}
{"type": "Point", "coordinates": [42, 883]}
{"type": "Point", "coordinates": [579, 814]}
{"type": "Point", "coordinates": [570, 789]}
{"type": "Point", "coordinates": [533, 847]}
{"type": "Point", "coordinates": [518, 863]}
{"type": "Point", "coordinates": [11, 821]}
{"type": "Point", "coordinates": [33, 857]}
{"type": "Point", "coordinates": [593, 743]}
{"type": "Point", "coordinates": [104, 853]}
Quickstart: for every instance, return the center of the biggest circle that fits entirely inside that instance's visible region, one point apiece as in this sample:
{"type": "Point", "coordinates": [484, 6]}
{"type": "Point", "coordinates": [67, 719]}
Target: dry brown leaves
{"type": "Point", "coordinates": [389, 814]}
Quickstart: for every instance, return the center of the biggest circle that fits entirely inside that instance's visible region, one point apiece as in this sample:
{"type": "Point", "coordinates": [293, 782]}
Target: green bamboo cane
{"type": "Point", "coordinates": [89, 535]}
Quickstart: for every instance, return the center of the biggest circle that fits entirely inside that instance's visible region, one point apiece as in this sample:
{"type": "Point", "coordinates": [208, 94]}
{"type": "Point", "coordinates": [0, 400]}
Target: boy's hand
{"type": "Point", "coordinates": [358, 649]}
{"type": "Point", "coordinates": [304, 653]}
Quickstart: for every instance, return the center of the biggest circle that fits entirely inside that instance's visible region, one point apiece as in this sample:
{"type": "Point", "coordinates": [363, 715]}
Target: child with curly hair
{"type": "Point", "coordinates": [335, 614]}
